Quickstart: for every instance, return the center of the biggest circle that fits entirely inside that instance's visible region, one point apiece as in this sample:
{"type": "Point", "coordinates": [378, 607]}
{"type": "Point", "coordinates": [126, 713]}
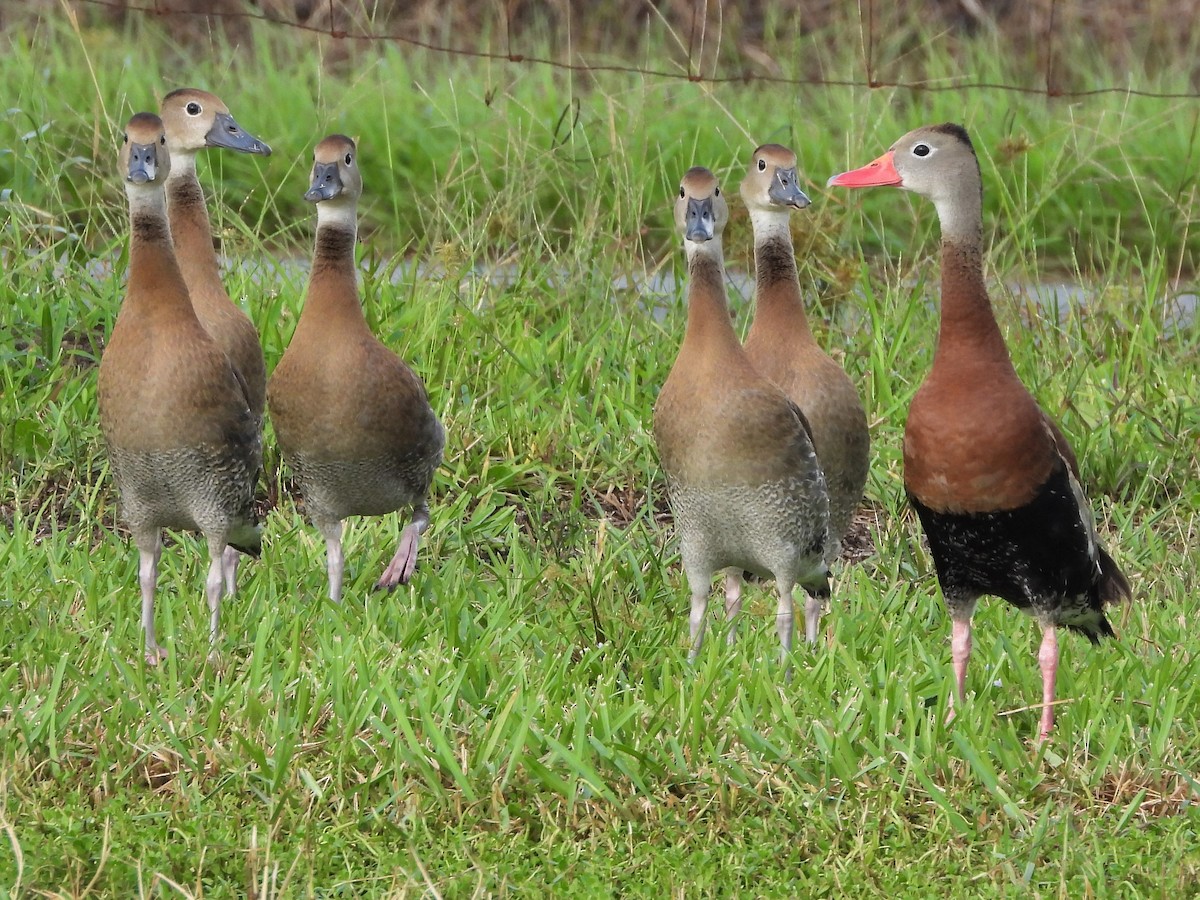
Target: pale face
{"type": "Point", "coordinates": [772, 183]}
{"type": "Point", "coordinates": [144, 158]}
{"type": "Point", "coordinates": [335, 172]}
{"type": "Point", "coordinates": [700, 210]}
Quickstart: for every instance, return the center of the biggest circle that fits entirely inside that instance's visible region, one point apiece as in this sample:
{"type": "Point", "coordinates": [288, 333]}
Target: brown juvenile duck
{"type": "Point", "coordinates": [745, 486]}
{"type": "Point", "coordinates": [353, 420]}
{"type": "Point", "coordinates": [993, 479]}
{"type": "Point", "coordinates": [781, 344]}
{"type": "Point", "coordinates": [195, 120]}
{"type": "Point", "coordinates": [184, 447]}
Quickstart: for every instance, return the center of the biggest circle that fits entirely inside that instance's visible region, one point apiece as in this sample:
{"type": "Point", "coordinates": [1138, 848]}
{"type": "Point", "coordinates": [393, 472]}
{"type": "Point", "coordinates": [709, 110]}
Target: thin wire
{"type": "Point", "coordinates": [871, 81]}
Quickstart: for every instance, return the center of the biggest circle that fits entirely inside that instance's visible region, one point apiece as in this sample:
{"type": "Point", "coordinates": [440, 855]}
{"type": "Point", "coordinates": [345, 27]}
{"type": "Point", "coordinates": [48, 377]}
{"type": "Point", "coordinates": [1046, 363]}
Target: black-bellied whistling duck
{"type": "Point", "coordinates": [353, 420]}
{"type": "Point", "coordinates": [993, 480]}
{"type": "Point", "coordinates": [183, 445]}
{"type": "Point", "coordinates": [195, 120]}
{"type": "Point", "coordinates": [781, 345]}
{"type": "Point", "coordinates": [744, 483]}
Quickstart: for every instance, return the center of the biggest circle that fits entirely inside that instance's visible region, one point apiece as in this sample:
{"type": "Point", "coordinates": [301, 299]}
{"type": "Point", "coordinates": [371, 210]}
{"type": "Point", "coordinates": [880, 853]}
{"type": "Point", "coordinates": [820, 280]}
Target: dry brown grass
{"type": "Point", "coordinates": [1040, 34]}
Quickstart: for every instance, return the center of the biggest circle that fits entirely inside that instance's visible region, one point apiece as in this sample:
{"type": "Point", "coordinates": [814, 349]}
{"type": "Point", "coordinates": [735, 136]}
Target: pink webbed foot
{"type": "Point", "coordinates": [400, 569]}
{"type": "Point", "coordinates": [155, 655]}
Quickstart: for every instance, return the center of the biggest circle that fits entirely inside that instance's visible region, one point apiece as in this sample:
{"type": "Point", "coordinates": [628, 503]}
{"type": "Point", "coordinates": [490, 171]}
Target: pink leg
{"type": "Point", "coordinates": [733, 603]}
{"type": "Point", "coordinates": [1048, 660]}
{"type": "Point", "coordinates": [812, 618]}
{"type": "Point", "coordinates": [229, 566]}
{"type": "Point", "coordinates": [960, 652]}
{"type": "Point", "coordinates": [213, 584]}
{"type": "Point", "coordinates": [401, 567]}
{"type": "Point", "coordinates": [785, 625]}
{"type": "Point", "coordinates": [229, 561]}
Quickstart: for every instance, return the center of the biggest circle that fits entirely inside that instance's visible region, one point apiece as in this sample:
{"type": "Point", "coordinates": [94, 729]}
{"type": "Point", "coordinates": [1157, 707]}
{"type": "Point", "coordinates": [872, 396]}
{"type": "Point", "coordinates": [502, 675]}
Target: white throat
{"type": "Point", "coordinates": [183, 164]}
{"type": "Point", "coordinates": [770, 223]}
{"type": "Point", "coordinates": [146, 198]}
{"type": "Point", "coordinates": [339, 213]}
{"type": "Point", "coordinates": [710, 249]}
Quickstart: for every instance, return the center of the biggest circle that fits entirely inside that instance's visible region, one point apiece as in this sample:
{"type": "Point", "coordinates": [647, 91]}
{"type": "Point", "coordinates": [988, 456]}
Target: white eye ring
{"type": "Point", "coordinates": [762, 165]}
{"type": "Point", "coordinates": [922, 150]}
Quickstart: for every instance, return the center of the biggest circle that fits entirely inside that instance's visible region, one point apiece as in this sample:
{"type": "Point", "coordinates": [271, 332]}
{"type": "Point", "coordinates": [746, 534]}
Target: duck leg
{"type": "Point", "coordinates": [214, 583]}
{"type": "Point", "coordinates": [229, 563]}
{"type": "Point", "coordinates": [696, 616]}
{"type": "Point", "coordinates": [149, 552]}
{"type": "Point", "coordinates": [335, 559]}
{"type": "Point", "coordinates": [960, 653]}
{"type": "Point", "coordinates": [400, 569]}
{"type": "Point", "coordinates": [1048, 660]}
{"type": "Point", "coordinates": [785, 616]}
{"type": "Point", "coordinates": [733, 603]}
{"type": "Point", "coordinates": [813, 607]}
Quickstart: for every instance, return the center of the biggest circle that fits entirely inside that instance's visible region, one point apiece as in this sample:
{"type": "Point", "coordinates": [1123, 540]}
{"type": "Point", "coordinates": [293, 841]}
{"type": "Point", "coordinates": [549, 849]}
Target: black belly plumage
{"type": "Point", "coordinates": [1039, 557]}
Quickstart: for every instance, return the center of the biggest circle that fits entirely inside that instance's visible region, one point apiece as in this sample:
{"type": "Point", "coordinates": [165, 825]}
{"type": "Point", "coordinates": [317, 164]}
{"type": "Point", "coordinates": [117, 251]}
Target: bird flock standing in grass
{"type": "Point", "coordinates": [764, 444]}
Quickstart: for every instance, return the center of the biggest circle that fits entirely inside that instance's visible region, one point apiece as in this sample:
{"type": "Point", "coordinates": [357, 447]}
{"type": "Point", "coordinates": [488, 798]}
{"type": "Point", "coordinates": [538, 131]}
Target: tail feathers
{"type": "Point", "coordinates": [247, 539]}
{"type": "Point", "coordinates": [1092, 626]}
{"type": "Point", "coordinates": [1113, 586]}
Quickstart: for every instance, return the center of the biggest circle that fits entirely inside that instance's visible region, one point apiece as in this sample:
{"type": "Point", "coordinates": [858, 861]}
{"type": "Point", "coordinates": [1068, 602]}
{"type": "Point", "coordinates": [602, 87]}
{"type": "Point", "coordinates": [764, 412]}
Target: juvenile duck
{"type": "Point", "coordinates": [195, 120]}
{"type": "Point", "coordinates": [744, 483]}
{"type": "Point", "coordinates": [353, 421]}
{"type": "Point", "coordinates": [183, 445]}
{"type": "Point", "coordinates": [781, 344]}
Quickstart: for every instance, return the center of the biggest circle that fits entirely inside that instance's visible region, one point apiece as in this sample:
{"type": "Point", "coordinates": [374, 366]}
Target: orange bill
{"type": "Point", "coordinates": [879, 172]}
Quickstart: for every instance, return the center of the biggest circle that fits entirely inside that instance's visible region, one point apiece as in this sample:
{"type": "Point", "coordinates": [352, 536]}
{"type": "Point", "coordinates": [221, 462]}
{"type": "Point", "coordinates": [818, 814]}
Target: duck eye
{"type": "Point", "coordinates": [162, 139]}
{"type": "Point", "coordinates": [921, 150]}
{"type": "Point", "coordinates": [126, 138]}
{"type": "Point", "coordinates": [762, 165]}
{"type": "Point", "coordinates": [193, 108]}
{"type": "Point", "coordinates": [682, 192]}
{"type": "Point", "coordinates": [716, 192]}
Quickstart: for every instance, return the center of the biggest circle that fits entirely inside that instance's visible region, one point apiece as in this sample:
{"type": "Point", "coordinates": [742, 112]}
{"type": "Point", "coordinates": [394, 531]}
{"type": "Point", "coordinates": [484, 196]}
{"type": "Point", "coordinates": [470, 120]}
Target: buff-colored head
{"type": "Point", "coordinates": [335, 175]}
{"type": "Point", "coordinates": [771, 183]}
{"type": "Point", "coordinates": [196, 119]}
{"type": "Point", "coordinates": [144, 157]}
{"type": "Point", "coordinates": [700, 211]}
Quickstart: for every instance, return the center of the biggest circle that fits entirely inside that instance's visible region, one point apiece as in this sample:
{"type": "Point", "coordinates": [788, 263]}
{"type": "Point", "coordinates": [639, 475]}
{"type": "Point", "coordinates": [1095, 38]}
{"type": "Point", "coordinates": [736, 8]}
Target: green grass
{"type": "Point", "coordinates": [522, 720]}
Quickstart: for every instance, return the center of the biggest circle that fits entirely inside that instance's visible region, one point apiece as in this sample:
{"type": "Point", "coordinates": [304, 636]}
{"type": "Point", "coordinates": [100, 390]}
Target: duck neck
{"type": "Point", "coordinates": [779, 307]}
{"type": "Point", "coordinates": [708, 321]}
{"type": "Point", "coordinates": [155, 283]}
{"type": "Point", "coordinates": [968, 334]}
{"type": "Point", "coordinates": [190, 225]}
{"type": "Point", "coordinates": [332, 284]}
